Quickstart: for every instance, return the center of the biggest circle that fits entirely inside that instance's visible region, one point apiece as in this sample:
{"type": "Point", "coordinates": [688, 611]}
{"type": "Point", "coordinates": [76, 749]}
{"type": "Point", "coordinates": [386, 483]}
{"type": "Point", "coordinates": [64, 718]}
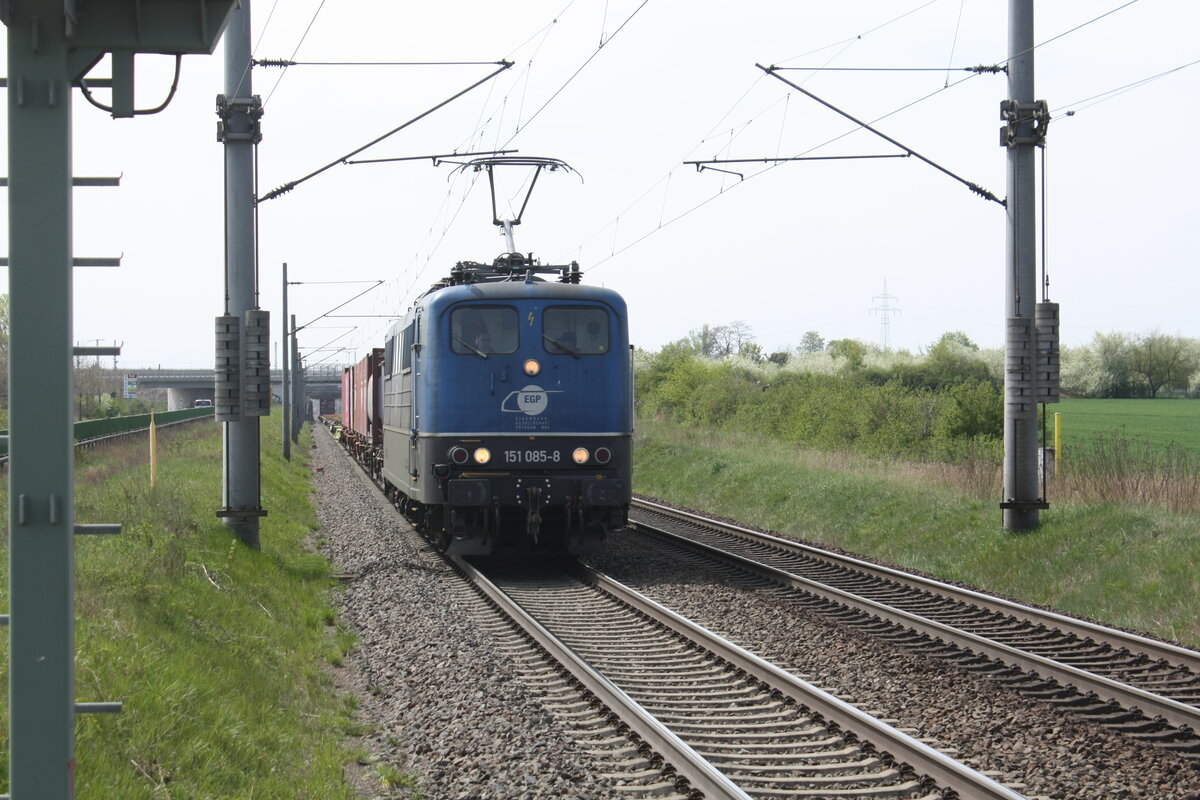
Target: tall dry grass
{"type": "Point", "coordinates": [1112, 468]}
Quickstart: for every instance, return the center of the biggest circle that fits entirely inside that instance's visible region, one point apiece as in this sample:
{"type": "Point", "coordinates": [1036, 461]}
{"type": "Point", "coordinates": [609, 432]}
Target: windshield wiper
{"type": "Point", "coordinates": [561, 346]}
{"type": "Point", "coordinates": [474, 350]}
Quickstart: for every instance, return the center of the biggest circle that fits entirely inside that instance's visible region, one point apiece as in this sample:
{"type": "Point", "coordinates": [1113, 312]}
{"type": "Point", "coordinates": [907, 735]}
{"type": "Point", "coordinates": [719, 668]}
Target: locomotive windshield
{"type": "Point", "coordinates": [482, 330]}
{"type": "Point", "coordinates": [575, 330]}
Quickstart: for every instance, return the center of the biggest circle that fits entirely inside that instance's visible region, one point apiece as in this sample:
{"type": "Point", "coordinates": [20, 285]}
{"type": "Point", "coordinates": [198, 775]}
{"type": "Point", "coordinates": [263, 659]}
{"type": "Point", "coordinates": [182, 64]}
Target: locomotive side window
{"type": "Point", "coordinates": [575, 330]}
{"type": "Point", "coordinates": [406, 346]}
{"type": "Point", "coordinates": [483, 330]}
{"type": "Point", "coordinates": [389, 358]}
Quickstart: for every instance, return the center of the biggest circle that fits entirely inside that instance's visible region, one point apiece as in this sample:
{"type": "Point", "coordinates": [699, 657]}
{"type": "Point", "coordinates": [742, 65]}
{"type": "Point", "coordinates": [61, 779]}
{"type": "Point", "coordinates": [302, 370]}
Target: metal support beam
{"type": "Point", "coordinates": [82, 261]}
{"type": "Point", "coordinates": [82, 181]}
{"type": "Point", "coordinates": [96, 351]}
{"type": "Point", "coordinates": [98, 708]}
{"type": "Point", "coordinates": [1021, 498]}
{"type": "Point", "coordinates": [97, 528]}
{"type": "Point", "coordinates": [41, 466]}
{"type": "Point", "coordinates": [50, 47]}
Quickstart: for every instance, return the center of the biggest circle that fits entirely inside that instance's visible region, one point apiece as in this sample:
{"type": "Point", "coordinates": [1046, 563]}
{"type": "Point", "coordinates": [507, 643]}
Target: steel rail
{"type": "Point", "coordinates": [946, 772]}
{"type": "Point", "coordinates": [1154, 649]}
{"type": "Point", "coordinates": [1174, 712]}
{"type": "Point", "coordinates": [701, 774]}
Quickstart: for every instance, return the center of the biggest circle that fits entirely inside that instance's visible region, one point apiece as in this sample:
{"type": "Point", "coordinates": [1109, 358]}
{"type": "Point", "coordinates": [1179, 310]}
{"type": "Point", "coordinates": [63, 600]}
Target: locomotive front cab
{"type": "Point", "coordinates": [529, 439]}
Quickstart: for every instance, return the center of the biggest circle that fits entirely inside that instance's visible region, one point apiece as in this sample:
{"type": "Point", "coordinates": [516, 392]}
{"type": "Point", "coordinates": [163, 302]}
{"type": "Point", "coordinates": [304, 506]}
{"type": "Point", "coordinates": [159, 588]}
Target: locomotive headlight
{"type": "Point", "coordinates": [459, 455]}
{"type": "Point", "coordinates": [532, 367]}
{"type": "Point", "coordinates": [482, 455]}
{"type": "Point", "coordinates": [580, 456]}
{"type": "Point", "coordinates": [603, 455]}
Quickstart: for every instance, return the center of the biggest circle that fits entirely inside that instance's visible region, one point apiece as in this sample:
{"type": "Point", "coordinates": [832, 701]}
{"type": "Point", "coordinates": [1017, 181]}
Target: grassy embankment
{"type": "Point", "coordinates": [1134, 564]}
{"type": "Point", "coordinates": [220, 654]}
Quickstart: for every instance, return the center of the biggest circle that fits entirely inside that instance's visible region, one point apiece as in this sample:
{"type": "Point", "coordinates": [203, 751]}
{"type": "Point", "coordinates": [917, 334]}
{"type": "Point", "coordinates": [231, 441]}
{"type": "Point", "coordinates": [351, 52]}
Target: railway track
{"type": "Point", "coordinates": [1146, 689]}
{"type": "Point", "coordinates": [727, 723]}
{"type": "Point", "coordinates": [673, 711]}
{"type": "Point", "coordinates": [1066, 761]}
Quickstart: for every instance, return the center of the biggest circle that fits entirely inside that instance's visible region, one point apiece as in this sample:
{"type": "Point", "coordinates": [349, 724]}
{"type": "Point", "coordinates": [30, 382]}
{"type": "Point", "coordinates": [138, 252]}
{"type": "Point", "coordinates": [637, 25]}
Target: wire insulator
{"type": "Point", "coordinates": [287, 187]}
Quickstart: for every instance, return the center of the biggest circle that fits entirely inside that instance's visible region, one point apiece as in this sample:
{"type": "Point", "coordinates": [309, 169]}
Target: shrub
{"type": "Point", "coordinates": [865, 409]}
{"type": "Point", "coordinates": [972, 409]}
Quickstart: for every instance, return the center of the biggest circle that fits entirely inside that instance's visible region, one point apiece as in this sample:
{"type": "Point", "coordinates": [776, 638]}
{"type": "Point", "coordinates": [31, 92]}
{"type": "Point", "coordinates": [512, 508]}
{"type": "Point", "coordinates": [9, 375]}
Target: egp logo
{"type": "Point", "coordinates": [531, 400]}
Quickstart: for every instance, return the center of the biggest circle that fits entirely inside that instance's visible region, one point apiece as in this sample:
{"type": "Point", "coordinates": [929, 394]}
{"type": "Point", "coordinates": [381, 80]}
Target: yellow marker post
{"type": "Point", "coordinates": [1058, 459]}
{"type": "Point", "coordinates": [153, 453]}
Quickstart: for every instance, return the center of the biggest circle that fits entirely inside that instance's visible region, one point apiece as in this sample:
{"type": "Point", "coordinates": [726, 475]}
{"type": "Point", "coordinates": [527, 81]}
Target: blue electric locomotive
{"type": "Point", "coordinates": [508, 410]}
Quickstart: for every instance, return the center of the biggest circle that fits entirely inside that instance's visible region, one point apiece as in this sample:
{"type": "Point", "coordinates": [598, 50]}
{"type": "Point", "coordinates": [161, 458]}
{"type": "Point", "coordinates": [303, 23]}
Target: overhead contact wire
{"type": "Point", "coordinates": [845, 44]}
{"type": "Point", "coordinates": [954, 42]}
{"type": "Point", "coordinates": [266, 25]}
{"type": "Point", "coordinates": [575, 74]}
{"type": "Point", "coordinates": [479, 133]}
{"type": "Point", "coordinates": [615, 252]}
{"type": "Point", "coordinates": [1111, 93]}
{"type": "Point", "coordinates": [544, 33]}
{"type": "Point", "coordinates": [299, 44]}
{"type": "Point", "coordinates": [862, 35]}
{"type": "Point", "coordinates": [1069, 31]}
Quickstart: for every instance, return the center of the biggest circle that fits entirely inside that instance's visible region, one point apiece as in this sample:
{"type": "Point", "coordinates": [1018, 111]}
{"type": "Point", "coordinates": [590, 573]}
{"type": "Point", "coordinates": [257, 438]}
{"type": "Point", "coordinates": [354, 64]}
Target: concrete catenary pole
{"type": "Point", "coordinates": [283, 394]}
{"type": "Point", "coordinates": [241, 490]}
{"type": "Point", "coordinates": [1021, 500]}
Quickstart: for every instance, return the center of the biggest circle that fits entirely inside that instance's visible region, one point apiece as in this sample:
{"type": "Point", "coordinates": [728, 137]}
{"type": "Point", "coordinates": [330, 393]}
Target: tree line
{"type": "Point", "coordinates": [1119, 364]}
{"type": "Point", "coordinates": [1133, 365]}
{"type": "Point", "coordinates": [945, 403]}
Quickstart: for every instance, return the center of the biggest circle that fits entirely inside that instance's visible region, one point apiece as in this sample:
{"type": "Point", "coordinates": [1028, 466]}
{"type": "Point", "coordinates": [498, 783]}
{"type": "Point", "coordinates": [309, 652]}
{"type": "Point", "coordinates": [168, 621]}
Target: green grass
{"type": "Point", "coordinates": [1158, 422]}
{"type": "Point", "coordinates": [220, 654]}
{"type": "Point", "coordinates": [1119, 563]}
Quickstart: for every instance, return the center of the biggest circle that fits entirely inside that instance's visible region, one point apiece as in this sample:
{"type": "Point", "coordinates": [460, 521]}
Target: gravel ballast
{"type": "Point", "coordinates": [1027, 745]}
{"type": "Point", "coordinates": [439, 701]}
{"type": "Point", "coordinates": [442, 703]}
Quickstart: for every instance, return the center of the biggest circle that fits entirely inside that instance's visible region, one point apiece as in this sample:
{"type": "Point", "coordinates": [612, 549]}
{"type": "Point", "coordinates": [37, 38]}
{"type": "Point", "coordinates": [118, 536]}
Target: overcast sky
{"type": "Point", "coordinates": [795, 247]}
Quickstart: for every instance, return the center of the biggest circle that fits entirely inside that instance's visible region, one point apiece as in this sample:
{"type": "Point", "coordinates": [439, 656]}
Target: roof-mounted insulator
{"type": "Point", "coordinates": [571, 273]}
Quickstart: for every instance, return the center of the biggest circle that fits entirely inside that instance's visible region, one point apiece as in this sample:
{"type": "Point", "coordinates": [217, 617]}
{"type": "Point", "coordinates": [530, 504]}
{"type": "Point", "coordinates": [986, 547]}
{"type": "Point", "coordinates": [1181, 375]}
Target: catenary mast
{"type": "Point", "coordinates": [243, 362]}
{"type": "Point", "coordinates": [1025, 130]}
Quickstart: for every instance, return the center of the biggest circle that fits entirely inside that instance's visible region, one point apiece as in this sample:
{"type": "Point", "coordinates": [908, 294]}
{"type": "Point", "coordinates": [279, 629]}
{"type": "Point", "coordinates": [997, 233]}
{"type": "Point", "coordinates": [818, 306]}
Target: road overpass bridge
{"type": "Point", "coordinates": [186, 386]}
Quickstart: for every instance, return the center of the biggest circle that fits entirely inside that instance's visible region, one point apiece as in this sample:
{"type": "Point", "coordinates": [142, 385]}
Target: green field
{"type": "Point", "coordinates": [1158, 422]}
